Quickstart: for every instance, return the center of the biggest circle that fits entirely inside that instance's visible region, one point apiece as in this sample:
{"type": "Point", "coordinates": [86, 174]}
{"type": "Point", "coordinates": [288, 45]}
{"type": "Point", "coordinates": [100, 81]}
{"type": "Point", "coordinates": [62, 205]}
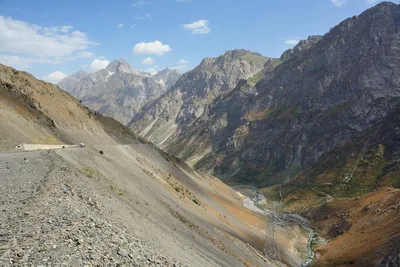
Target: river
{"type": "Point", "coordinates": [252, 203]}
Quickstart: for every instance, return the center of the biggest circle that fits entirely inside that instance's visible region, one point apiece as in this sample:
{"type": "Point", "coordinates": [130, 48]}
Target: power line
{"type": "Point", "coordinates": [271, 248]}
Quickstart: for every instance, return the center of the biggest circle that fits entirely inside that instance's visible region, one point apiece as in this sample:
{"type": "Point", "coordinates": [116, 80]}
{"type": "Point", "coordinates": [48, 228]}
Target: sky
{"type": "Point", "coordinates": [54, 39]}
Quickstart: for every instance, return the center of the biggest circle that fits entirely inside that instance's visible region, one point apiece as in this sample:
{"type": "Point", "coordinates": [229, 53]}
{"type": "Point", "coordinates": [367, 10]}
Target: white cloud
{"type": "Point", "coordinates": [20, 62]}
{"type": "Point", "coordinates": [371, 2]}
{"type": "Point", "coordinates": [148, 61]}
{"type": "Point", "coordinates": [23, 44]}
{"type": "Point", "coordinates": [292, 42]}
{"type": "Point", "coordinates": [151, 48]}
{"type": "Point", "coordinates": [182, 62]}
{"type": "Point", "coordinates": [146, 16]}
{"type": "Point", "coordinates": [180, 68]}
{"type": "Point", "coordinates": [98, 64]}
{"type": "Point", "coordinates": [338, 3]}
{"type": "Point", "coordinates": [55, 77]}
{"type": "Point", "coordinates": [84, 54]}
{"type": "Point", "coordinates": [21, 37]}
{"type": "Point", "coordinates": [120, 25]}
{"type": "Point", "coordinates": [65, 29]}
{"type": "Point", "coordinates": [142, 3]}
{"type": "Point", "coordinates": [152, 71]}
{"type": "Point", "coordinates": [138, 3]}
{"type": "Point", "coordinates": [184, 1]}
{"type": "Point", "coordinates": [198, 27]}
{"type": "Point", "coordinates": [20, 9]}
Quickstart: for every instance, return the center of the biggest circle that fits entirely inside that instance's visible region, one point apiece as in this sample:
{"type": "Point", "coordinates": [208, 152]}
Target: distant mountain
{"type": "Point", "coordinates": [167, 77]}
{"type": "Point", "coordinates": [165, 119]}
{"type": "Point", "coordinates": [119, 90]}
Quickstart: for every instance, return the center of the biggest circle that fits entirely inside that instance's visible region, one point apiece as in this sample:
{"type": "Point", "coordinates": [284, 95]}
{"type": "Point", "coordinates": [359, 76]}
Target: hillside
{"type": "Point", "coordinates": [324, 92]}
{"type": "Point", "coordinates": [132, 204]}
{"type": "Point", "coordinates": [162, 121]}
{"type": "Point", "coordinates": [119, 90]}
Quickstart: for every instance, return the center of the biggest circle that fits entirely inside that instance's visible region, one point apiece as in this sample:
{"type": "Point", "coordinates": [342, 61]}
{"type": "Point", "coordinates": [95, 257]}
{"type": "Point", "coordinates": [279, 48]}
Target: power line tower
{"type": "Point", "coordinates": [271, 248]}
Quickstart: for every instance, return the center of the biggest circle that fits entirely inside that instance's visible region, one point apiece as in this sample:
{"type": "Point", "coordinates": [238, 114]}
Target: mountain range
{"type": "Point", "coordinates": [118, 90]}
{"type": "Point", "coordinates": [287, 113]}
{"type": "Point", "coordinates": [316, 130]}
{"type": "Point", "coordinates": [116, 201]}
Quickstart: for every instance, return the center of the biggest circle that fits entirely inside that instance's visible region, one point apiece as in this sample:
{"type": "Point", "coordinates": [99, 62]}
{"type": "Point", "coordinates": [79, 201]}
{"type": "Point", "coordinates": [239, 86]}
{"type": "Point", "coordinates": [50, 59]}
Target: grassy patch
{"type": "Point", "coordinates": [393, 179]}
{"type": "Point", "coordinates": [254, 58]}
{"type": "Point", "coordinates": [271, 193]}
{"type": "Point", "coordinates": [117, 190]}
{"type": "Point", "coordinates": [257, 116]}
{"type": "Point", "coordinates": [335, 109]}
{"type": "Point", "coordinates": [89, 172]}
{"type": "Point", "coordinates": [253, 80]}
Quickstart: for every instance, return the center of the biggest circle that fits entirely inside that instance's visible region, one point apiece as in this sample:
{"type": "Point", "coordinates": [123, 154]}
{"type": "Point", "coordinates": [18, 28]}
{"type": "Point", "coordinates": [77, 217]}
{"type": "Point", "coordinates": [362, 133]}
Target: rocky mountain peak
{"type": "Point", "coordinates": [118, 90]}
{"type": "Point", "coordinates": [302, 46]}
{"type": "Point", "coordinates": [122, 66]}
{"type": "Point", "coordinates": [239, 54]}
{"type": "Point", "coordinates": [166, 71]}
{"type": "Point", "coordinates": [167, 77]}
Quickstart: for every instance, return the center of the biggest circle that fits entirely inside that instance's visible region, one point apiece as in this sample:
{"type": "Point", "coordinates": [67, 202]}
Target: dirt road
{"type": "Point", "coordinates": [129, 206]}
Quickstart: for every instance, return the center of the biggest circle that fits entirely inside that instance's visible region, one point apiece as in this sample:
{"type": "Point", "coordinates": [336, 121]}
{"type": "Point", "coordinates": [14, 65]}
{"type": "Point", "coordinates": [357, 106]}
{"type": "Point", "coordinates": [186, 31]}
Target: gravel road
{"type": "Point", "coordinates": [49, 217]}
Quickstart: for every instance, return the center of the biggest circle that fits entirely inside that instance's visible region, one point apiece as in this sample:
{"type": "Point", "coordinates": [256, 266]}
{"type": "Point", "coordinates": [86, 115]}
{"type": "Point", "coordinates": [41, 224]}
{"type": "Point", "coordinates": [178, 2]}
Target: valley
{"type": "Point", "coordinates": [242, 160]}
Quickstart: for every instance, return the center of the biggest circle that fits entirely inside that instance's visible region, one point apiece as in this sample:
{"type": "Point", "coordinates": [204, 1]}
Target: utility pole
{"type": "Point", "coordinates": [271, 248]}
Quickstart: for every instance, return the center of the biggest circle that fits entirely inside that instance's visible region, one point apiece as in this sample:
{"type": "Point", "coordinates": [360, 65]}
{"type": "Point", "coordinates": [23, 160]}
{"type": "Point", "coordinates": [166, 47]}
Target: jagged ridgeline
{"type": "Point", "coordinates": [118, 90]}
{"type": "Point", "coordinates": [288, 112]}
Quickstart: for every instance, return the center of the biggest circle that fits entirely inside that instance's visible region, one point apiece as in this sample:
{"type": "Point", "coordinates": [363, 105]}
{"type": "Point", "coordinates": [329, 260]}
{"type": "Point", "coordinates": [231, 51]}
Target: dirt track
{"type": "Point", "coordinates": [77, 207]}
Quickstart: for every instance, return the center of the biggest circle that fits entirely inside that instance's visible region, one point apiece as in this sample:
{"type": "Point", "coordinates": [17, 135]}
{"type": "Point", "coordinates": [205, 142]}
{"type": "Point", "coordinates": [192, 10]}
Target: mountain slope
{"type": "Point", "coordinates": [166, 118]}
{"type": "Point", "coordinates": [325, 93]}
{"type": "Point", "coordinates": [131, 204]}
{"type": "Point", "coordinates": [37, 112]}
{"type": "Point", "coordinates": [118, 90]}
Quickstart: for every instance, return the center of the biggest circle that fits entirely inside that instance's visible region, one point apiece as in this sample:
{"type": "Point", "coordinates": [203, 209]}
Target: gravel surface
{"type": "Point", "coordinates": [49, 217]}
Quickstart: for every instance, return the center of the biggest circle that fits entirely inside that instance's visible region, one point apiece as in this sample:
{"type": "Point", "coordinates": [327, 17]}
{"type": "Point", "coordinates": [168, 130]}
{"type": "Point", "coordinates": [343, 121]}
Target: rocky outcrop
{"type": "Point", "coordinates": [325, 91]}
{"type": "Point", "coordinates": [165, 119]}
{"type": "Point", "coordinates": [119, 90]}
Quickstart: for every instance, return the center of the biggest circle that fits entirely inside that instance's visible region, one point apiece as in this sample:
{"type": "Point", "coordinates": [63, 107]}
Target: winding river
{"type": "Point", "coordinates": [252, 203]}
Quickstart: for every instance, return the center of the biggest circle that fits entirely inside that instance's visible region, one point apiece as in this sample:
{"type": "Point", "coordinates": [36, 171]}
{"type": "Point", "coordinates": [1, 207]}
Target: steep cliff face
{"type": "Point", "coordinates": [119, 90]}
{"type": "Point", "coordinates": [323, 92]}
{"type": "Point", "coordinates": [168, 117]}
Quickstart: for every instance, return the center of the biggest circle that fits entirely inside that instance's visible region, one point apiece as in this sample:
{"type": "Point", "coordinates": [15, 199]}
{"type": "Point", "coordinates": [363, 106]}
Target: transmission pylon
{"type": "Point", "coordinates": [271, 248]}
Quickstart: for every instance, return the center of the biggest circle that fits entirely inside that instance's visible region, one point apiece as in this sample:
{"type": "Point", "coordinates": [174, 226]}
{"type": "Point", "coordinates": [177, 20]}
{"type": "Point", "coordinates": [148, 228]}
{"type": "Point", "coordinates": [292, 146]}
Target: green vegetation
{"type": "Point", "coordinates": [308, 62]}
{"type": "Point", "coordinates": [393, 179]}
{"type": "Point", "coordinates": [256, 78]}
{"type": "Point", "coordinates": [285, 113]}
{"type": "Point", "coordinates": [89, 172]}
{"type": "Point", "coordinates": [256, 116]}
{"type": "Point", "coordinates": [208, 70]}
{"type": "Point", "coordinates": [117, 190]}
{"type": "Point", "coordinates": [254, 58]}
{"type": "Point", "coordinates": [271, 193]}
{"type": "Point", "coordinates": [335, 109]}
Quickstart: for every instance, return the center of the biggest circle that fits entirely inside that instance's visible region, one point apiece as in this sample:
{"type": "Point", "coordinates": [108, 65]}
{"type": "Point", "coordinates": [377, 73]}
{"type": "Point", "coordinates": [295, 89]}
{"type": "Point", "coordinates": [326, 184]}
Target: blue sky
{"type": "Point", "coordinates": [52, 39]}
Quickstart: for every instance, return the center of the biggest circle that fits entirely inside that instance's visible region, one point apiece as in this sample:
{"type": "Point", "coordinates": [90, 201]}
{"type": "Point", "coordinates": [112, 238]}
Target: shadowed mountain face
{"type": "Point", "coordinates": [165, 119]}
{"type": "Point", "coordinates": [119, 90]}
{"type": "Point", "coordinates": [325, 91]}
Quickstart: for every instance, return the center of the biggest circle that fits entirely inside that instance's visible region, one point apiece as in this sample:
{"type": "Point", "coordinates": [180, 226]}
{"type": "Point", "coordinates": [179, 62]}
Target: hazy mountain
{"type": "Point", "coordinates": [119, 90]}
{"type": "Point", "coordinates": [168, 117]}
{"type": "Point", "coordinates": [167, 77]}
